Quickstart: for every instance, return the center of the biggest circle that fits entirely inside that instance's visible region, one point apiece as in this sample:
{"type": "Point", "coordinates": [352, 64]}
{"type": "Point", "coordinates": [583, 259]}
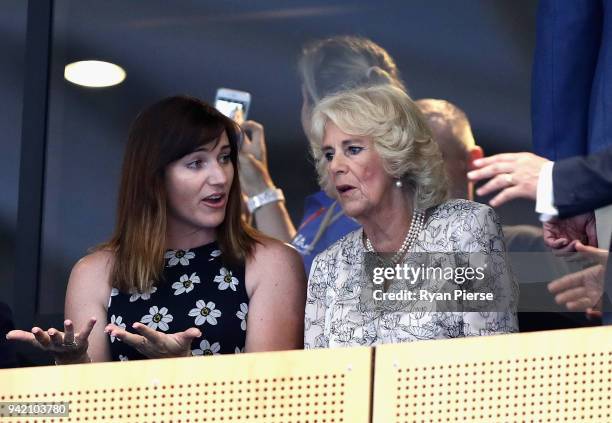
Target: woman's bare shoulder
{"type": "Point", "coordinates": [99, 261]}
{"type": "Point", "coordinates": [271, 250]}
{"type": "Point", "coordinates": [90, 275]}
{"type": "Point", "coordinates": [274, 259]}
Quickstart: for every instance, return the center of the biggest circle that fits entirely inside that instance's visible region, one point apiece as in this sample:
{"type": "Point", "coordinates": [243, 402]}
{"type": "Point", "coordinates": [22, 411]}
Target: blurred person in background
{"type": "Point", "coordinates": [326, 66]}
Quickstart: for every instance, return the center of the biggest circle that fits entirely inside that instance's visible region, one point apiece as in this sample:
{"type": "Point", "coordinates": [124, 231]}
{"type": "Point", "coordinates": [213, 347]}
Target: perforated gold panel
{"type": "Point", "coordinates": [297, 386]}
{"type": "Point", "coordinates": [556, 376]}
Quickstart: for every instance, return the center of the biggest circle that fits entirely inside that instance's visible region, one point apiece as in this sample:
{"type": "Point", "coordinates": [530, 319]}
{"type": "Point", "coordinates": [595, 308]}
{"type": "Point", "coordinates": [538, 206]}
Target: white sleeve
{"type": "Point", "coordinates": [545, 201]}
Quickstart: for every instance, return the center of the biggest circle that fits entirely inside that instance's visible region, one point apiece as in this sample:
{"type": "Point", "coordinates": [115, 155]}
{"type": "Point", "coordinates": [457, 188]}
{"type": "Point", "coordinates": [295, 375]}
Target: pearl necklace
{"type": "Point", "coordinates": [416, 226]}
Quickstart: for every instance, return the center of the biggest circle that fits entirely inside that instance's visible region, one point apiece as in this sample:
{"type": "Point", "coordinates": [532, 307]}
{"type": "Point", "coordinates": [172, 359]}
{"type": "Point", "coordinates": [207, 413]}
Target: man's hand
{"type": "Point", "coordinates": [562, 234]}
{"type": "Point", "coordinates": [514, 174]}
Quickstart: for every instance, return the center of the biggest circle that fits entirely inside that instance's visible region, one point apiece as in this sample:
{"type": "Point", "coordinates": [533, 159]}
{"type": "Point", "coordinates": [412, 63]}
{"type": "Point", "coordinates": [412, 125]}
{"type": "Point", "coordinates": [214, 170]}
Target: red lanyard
{"type": "Point", "coordinates": [312, 217]}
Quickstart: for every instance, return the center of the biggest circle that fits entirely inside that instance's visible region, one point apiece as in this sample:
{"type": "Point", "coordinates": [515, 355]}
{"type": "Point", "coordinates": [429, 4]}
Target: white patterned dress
{"type": "Point", "coordinates": [337, 315]}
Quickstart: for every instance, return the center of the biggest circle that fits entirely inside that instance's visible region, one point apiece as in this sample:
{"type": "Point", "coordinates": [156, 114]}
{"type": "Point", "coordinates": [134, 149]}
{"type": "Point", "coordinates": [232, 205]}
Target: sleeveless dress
{"type": "Point", "coordinates": [200, 291]}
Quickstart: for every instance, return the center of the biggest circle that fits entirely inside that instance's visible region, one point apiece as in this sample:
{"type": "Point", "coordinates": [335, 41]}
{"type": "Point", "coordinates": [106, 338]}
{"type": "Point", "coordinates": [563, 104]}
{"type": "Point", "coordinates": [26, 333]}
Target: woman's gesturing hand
{"type": "Point", "coordinates": [583, 290]}
{"type": "Point", "coordinates": [67, 347]}
{"type": "Point", "coordinates": [154, 344]}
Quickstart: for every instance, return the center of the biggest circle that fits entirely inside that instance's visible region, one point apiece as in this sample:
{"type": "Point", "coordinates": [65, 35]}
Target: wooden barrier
{"type": "Point", "coordinates": [554, 376]}
{"type": "Point", "coordinates": [284, 387]}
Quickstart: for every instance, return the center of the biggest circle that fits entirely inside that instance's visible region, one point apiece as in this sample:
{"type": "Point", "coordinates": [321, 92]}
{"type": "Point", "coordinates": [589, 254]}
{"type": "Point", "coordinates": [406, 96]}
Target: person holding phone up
{"type": "Point", "coordinates": [326, 67]}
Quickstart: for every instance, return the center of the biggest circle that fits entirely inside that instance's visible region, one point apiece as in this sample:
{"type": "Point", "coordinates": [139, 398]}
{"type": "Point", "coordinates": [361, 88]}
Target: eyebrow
{"type": "Point", "coordinates": [344, 143]}
{"type": "Point", "coordinates": [203, 148]}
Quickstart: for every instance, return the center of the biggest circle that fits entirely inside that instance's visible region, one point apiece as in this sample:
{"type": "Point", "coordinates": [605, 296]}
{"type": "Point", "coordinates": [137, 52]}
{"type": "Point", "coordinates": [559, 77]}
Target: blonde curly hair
{"type": "Point", "coordinates": [401, 137]}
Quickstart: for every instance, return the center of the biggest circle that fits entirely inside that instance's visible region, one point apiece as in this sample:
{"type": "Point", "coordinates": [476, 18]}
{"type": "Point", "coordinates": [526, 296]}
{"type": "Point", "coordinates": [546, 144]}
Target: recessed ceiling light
{"type": "Point", "coordinates": [94, 73]}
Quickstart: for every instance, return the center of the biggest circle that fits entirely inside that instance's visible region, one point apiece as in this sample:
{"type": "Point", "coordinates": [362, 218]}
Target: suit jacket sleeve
{"type": "Point", "coordinates": [562, 79]}
{"type": "Point", "coordinates": [583, 184]}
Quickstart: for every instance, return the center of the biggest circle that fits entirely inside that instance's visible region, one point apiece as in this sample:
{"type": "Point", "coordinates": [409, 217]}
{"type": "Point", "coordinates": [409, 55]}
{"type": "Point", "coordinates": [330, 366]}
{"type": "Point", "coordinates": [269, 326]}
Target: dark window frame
{"type": "Point", "coordinates": [32, 162]}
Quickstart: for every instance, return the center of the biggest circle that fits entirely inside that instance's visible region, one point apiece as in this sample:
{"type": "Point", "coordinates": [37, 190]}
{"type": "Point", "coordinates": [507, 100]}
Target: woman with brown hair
{"type": "Point", "coordinates": [182, 269]}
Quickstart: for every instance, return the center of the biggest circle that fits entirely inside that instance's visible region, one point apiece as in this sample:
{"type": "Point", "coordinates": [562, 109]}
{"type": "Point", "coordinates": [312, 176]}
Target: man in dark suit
{"type": "Point", "coordinates": [571, 86]}
{"type": "Point", "coordinates": [580, 185]}
{"type": "Point", "coordinates": [561, 189]}
{"type": "Point", "coordinates": [583, 184]}
{"type": "Point", "coordinates": [451, 130]}
{"type": "Point", "coordinates": [567, 192]}
{"type": "Point", "coordinates": [578, 182]}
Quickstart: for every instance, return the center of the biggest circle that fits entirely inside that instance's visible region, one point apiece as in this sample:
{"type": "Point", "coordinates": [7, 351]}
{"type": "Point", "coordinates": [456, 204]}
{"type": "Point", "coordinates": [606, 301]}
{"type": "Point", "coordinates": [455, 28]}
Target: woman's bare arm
{"type": "Point", "coordinates": [87, 296]}
{"type": "Point", "coordinates": [82, 339]}
{"type": "Point", "coordinates": [276, 285]}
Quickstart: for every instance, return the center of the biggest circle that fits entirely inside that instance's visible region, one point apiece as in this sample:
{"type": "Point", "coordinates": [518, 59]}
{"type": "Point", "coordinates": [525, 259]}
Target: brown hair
{"type": "Point", "coordinates": [162, 133]}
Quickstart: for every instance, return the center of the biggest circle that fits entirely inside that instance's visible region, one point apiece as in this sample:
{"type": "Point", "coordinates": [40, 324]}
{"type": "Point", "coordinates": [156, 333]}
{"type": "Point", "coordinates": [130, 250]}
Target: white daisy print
{"type": "Point", "coordinates": [118, 321]}
{"type": "Point", "coordinates": [158, 318]}
{"type": "Point", "coordinates": [114, 292]}
{"type": "Point", "coordinates": [144, 296]}
{"type": "Point", "coordinates": [185, 284]}
{"type": "Point", "coordinates": [225, 280]}
{"type": "Point", "coordinates": [238, 350]}
{"type": "Point", "coordinates": [205, 313]}
{"type": "Point", "coordinates": [123, 358]}
{"type": "Point", "coordinates": [207, 349]}
{"type": "Point", "coordinates": [214, 254]}
{"type": "Point", "coordinates": [242, 315]}
{"type": "Point", "coordinates": [179, 256]}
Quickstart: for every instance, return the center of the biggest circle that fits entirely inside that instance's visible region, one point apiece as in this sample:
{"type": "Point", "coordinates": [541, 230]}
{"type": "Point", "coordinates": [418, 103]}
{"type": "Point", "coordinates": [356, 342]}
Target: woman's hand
{"type": "Point", "coordinates": [254, 175]}
{"type": "Point", "coordinates": [66, 347]}
{"type": "Point", "coordinates": [583, 290]}
{"type": "Point", "coordinates": [272, 219]}
{"type": "Point", "coordinates": [580, 291]}
{"type": "Point", "coordinates": [154, 344]}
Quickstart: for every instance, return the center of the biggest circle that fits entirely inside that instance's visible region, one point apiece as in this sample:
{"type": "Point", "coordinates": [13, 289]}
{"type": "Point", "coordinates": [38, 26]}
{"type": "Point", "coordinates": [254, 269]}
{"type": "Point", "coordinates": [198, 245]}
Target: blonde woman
{"type": "Point", "coordinates": [373, 149]}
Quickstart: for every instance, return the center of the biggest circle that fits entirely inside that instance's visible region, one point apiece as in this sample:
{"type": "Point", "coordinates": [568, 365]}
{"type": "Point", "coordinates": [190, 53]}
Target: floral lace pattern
{"type": "Point", "coordinates": [336, 315]}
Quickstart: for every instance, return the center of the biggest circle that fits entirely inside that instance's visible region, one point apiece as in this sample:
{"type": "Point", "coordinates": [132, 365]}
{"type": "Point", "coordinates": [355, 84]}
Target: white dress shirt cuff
{"type": "Point", "coordinates": [545, 201]}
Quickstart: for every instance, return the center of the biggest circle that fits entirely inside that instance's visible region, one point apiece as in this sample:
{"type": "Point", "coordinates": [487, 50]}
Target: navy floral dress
{"type": "Point", "coordinates": [199, 291]}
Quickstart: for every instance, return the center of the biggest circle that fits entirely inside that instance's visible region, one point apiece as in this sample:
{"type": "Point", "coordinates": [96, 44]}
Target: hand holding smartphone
{"type": "Point", "coordinates": [233, 104]}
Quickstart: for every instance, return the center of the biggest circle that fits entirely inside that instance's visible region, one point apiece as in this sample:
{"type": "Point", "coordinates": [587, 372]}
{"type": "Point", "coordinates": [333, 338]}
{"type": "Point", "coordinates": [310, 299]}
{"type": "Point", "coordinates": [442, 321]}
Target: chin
{"type": "Point", "coordinates": [353, 212]}
{"type": "Point", "coordinates": [212, 221]}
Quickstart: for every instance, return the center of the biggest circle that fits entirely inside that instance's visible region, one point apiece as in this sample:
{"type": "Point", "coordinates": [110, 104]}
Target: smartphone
{"type": "Point", "coordinates": [233, 103]}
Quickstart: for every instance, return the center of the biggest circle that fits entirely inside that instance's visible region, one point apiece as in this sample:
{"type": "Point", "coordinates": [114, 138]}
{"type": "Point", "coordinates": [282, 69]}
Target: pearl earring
{"type": "Point", "coordinates": [398, 183]}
